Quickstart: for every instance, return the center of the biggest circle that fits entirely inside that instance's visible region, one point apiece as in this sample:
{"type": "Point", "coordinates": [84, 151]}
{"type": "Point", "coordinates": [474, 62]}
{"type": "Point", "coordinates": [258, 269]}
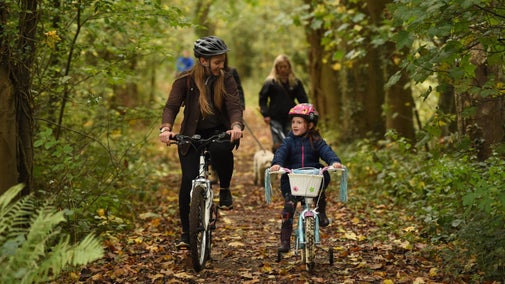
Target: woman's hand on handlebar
{"type": "Point", "coordinates": [166, 135]}
{"type": "Point", "coordinates": [235, 133]}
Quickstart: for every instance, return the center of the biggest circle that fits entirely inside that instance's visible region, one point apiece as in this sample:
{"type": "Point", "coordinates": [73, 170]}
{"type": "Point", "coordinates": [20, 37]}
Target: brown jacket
{"type": "Point", "coordinates": [184, 93]}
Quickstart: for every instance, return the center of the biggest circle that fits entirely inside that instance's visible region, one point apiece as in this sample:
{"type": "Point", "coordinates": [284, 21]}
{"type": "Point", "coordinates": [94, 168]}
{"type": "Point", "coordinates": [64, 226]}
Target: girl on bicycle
{"type": "Point", "coordinates": [211, 106]}
{"type": "Point", "coordinates": [303, 147]}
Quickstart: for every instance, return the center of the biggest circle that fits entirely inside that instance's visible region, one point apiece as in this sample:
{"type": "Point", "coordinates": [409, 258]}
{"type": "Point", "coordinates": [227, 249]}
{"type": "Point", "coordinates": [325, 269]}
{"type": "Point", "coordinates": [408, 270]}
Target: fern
{"type": "Point", "coordinates": [32, 247]}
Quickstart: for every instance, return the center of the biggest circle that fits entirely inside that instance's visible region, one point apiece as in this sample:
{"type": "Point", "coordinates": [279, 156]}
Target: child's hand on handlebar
{"type": "Point", "coordinates": [275, 168]}
{"type": "Point", "coordinates": [337, 165]}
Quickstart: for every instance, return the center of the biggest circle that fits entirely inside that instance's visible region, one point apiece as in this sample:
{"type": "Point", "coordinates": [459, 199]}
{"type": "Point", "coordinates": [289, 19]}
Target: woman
{"type": "Point", "coordinates": [211, 105]}
{"type": "Point", "coordinates": [277, 96]}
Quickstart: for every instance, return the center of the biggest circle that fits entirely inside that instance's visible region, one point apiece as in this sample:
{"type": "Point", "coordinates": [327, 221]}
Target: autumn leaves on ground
{"type": "Point", "coordinates": [246, 239]}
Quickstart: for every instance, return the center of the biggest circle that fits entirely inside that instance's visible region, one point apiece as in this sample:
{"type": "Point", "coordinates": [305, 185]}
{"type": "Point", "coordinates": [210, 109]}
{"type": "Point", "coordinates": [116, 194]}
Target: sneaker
{"type": "Point", "coordinates": [184, 242]}
{"type": "Point", "coordinates": [225, 199]}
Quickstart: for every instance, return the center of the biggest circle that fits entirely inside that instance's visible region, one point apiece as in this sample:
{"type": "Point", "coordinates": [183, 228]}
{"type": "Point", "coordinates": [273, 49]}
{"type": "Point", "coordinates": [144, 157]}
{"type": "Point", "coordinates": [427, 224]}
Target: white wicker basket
{"type": "Point", "coordinates": [305, 184]}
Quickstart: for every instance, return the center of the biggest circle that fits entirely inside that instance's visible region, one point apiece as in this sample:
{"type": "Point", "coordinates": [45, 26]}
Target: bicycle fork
{"type": "Point", "coordinates": [311, 213]}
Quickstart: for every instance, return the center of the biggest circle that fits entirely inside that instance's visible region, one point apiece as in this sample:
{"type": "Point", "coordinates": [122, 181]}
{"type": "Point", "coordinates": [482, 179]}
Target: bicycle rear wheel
{"type": "Point", "coordinates": [308, 252]}
{"type": "Point", "coordinates": [199, 238]}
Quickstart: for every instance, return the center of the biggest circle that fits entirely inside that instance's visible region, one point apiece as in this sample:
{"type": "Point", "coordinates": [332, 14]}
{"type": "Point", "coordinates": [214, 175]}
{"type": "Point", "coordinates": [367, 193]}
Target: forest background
{"type": "Point", "coordinates": [412, 92]}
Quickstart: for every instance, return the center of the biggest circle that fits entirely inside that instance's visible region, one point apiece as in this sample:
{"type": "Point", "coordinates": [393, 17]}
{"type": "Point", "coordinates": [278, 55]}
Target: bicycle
{"type": "Point", "coordinates": [307, 183]}
{"type": "Point", "coordinates": [203, 211]}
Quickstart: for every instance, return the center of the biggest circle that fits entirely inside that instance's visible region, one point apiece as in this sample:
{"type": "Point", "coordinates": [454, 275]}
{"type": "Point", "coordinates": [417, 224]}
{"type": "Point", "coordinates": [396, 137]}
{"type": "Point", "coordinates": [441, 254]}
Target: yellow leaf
{"type": "Point", "coordinates": [418, 280]}
{"type": "Point", "coordinates": [100, 212]}
{"type": "Point", "coordinates": [410, 229]}
{"type": "Point", "coordinates": [350, 236]}
{"type": "Point", "coordinates": [406, 245]}
{"type": "Point", "coordinates": [236, 244]}
{"type": "Point", "coordinates": [388, 281]}
{"type": "Point", "coordinates": [433, 272]}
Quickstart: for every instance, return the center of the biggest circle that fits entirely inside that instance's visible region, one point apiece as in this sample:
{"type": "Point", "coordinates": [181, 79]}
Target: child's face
{"type": "Point", "coordinates": [299, 126]}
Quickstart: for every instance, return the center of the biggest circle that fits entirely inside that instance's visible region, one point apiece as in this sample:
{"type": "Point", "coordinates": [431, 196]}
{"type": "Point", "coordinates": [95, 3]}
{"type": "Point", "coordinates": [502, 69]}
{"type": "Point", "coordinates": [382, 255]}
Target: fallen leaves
{"type": "Point", "coordinates": [245, 242]}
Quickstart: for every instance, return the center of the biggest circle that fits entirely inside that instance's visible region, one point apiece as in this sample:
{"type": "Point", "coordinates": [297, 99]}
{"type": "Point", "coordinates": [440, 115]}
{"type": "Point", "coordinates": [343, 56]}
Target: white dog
{"type": "Point", "coordinates": [262, 161]}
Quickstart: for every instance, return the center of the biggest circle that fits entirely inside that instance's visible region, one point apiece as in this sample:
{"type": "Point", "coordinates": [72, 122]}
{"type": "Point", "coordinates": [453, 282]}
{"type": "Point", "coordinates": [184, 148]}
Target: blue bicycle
{"type": "Point", "coordinates": [307, 183]}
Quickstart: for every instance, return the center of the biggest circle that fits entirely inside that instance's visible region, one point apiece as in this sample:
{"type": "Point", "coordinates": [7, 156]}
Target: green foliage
{"type": "Point", "coordinates": [443, 36]}
{"type": "Point", "coordinates": [33, 247]}
{"type": "Point", "coordinates": [458, 199]}
{"type": "Point", "coordinates": [100, 169]}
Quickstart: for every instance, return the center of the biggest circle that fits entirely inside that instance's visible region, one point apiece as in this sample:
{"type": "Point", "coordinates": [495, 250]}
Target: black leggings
{"type": "Point", "coordinates": [221, 160]}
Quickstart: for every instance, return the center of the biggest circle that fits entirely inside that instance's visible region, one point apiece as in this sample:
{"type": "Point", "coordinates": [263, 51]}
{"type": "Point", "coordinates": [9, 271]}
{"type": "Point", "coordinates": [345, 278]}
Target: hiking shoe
{"type": "Point", "coordinates": [284, 247]}
{"type": "Point", "coordinates": [183, 242]}
{"type": "Point", "coordinates": [225, 199]}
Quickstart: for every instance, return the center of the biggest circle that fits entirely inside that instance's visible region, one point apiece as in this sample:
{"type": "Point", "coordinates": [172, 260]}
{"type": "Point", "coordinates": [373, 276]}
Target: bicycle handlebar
{"type": "Point", "coordinates": [180, 139]}
{"type": "Point", "coordinates": [321, 170]}
{"type": "Point", "coordinates": [343, 179]}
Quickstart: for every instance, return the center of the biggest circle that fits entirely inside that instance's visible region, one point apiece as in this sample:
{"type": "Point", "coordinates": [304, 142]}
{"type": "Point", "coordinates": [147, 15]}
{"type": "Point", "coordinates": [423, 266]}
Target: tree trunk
{"type": "Point", "coordinates": [399, 104]}
{"type": "Point", "coordinates": [17, 58]}
{"type": "Point", "coordinates": [324, 91]}
{"type": "Point", "coordinates": [8, 172]}
{"type": "Point", "coordinates": [205, 26]}
{"type": "Point", "coordinates": [484, 126]}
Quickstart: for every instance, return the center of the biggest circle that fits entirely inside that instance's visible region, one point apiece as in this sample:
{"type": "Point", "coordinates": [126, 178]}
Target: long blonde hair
{"type": "Point", "coordinates": [198, 73]}
{"type": "Point", "coordinates": [274, 74]}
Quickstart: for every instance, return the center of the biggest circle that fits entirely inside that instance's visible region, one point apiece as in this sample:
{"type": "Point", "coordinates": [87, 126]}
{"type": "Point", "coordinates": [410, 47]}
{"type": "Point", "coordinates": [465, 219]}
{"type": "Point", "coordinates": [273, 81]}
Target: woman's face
{"type": "Point", "coordinates": [215, 63]}
{"type": "Point", "coordinates": [283, 69]}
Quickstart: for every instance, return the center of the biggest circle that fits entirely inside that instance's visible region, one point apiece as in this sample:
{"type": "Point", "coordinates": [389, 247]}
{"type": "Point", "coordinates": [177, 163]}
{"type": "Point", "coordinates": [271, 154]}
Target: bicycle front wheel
{"type": "Point", "coordinates": [309, 248]}
{"type": "Point", "coordinates": [198, 235]}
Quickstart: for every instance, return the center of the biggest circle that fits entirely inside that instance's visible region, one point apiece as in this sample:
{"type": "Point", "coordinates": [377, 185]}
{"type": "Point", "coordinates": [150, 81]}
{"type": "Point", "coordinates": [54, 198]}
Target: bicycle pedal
{"type": "Point", "coordinates": [212, 224]}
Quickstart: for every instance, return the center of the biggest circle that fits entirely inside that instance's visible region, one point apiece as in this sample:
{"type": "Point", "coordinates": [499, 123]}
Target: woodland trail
{"type": "Point", "coordinates": [246, 239]}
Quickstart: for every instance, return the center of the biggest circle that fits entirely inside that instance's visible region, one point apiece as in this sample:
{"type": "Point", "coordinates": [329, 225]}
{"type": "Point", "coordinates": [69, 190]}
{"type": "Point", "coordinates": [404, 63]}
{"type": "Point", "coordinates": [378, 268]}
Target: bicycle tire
{"type": "Point", "coordinates": [309, 247]}
{"type": "Point", "coordinates": [198, 236]}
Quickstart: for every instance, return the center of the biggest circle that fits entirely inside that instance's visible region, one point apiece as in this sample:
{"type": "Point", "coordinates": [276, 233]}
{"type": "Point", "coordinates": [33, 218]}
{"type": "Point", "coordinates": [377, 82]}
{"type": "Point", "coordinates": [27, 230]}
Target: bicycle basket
{"type": "Point", "coordinates": [305, 182]}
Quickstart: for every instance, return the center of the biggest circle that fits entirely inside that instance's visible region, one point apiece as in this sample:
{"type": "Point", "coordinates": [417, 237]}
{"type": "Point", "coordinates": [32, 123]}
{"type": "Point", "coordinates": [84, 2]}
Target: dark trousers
{"type": "Point", "coordinates": [221, 160]}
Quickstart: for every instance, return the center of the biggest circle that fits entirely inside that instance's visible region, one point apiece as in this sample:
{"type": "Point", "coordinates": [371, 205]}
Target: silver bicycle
{"type": "Point", "coordinates": [203, 211]}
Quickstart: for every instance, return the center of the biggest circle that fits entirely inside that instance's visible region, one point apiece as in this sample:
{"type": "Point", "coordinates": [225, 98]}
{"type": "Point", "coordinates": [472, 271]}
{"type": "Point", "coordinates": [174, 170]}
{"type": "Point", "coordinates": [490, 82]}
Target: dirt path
{"type": "Point", "coordinates": [246, 241]}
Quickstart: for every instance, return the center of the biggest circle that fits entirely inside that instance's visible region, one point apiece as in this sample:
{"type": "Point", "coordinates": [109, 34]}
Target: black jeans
{"type": "Point", "coordinates": [221, 160]}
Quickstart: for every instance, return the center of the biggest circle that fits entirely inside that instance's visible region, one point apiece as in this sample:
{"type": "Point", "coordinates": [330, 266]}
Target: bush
{"type": "Point", "coordinates": [459, 200]}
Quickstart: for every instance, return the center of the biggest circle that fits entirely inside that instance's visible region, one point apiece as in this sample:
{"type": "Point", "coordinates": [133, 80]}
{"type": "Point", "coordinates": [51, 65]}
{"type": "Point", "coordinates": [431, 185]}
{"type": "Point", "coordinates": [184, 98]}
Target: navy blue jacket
{"type": "Point", "coordinates": [297, 152]}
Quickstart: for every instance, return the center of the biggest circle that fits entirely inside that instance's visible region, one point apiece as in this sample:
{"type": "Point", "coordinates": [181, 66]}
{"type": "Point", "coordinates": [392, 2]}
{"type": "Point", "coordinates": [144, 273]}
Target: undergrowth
{"type": "Point", "coordinates": [458, 201]}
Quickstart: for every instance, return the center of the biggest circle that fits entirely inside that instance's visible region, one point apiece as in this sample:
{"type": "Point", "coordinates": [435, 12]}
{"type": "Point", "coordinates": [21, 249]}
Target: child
{"type": "Point", "coordinates": [303, 147]}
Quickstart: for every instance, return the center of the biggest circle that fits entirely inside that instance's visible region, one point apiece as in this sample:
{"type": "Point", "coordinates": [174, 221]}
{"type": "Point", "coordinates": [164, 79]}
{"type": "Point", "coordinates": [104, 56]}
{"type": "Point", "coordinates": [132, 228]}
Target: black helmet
{"type": "Point", "coordinates": [209, 46]}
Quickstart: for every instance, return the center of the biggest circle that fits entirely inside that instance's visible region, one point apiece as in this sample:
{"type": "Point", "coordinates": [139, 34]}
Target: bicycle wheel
{"type": "Point", "coordinates": [198, 236]}
{"type": "Point", "coordinates": [309, 248]}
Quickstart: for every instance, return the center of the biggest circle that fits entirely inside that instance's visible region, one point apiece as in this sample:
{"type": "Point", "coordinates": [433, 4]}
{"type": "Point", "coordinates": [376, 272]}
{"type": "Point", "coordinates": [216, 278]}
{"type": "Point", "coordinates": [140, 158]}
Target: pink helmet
{"type": "Point", "coordinates": [307, 111]}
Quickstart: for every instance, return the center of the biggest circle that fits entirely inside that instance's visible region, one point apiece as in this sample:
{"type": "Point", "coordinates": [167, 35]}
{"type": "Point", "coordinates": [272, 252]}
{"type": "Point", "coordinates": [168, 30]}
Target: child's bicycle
{"type": "Point", "coordinates": [203, 211]}
{"type": "Point", "coordinates": [307, 182]}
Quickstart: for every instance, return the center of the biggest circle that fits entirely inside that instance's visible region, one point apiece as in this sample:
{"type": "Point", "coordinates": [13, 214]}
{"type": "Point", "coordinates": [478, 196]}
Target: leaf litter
{"type": "Point", "coordinates": [246, 239]}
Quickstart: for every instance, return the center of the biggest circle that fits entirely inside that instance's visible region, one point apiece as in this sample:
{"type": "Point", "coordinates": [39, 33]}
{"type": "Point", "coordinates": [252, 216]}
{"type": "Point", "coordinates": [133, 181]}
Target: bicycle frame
{"type": "Point", "coordinates": [202, 206]}
{"type": "Point", "coordinates": [308, 211]}
{"type": "Point", "coordinates": [307, 183]}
